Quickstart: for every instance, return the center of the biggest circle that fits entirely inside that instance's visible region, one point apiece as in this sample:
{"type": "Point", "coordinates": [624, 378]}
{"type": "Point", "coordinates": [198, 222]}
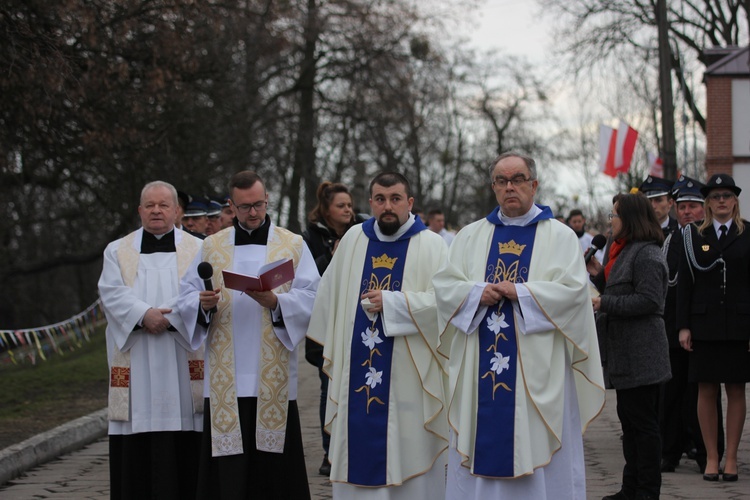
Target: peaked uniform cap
{"type": "Point", "coordinates": [655, 186]}
{"type": "Point", "coordinates": [196, 208]}
{"type": "Point", "coordinates": [214, 208]}
{"type": "Point", "coordinates": [724, 181]}
{"type": "Point", "coordinates": [687, 189]}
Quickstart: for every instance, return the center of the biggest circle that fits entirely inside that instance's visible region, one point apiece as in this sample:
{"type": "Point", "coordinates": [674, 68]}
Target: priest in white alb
{"type": "Point", "coordinates": [518, 332]}
{"type": "Point", "coordinates": [155, 384]}
{"type": "Point", "coordinates": [375, 316]}
{"type": "Point", "coordinates": [252, 443]}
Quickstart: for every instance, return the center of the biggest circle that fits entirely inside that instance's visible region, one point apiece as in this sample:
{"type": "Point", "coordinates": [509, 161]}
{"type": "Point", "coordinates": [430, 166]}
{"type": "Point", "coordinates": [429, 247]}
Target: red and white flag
{"type": "Point", "coordinates": [607, 146]}
{"type": "Point", "coordinates": [655, 165]}
{"type": "Point", "coordinates": [616, 148]}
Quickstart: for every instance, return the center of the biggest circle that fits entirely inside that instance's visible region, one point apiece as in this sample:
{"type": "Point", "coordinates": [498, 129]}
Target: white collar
{"type": "Point", "coordinates": [404, 227]}
{"type": "Point", "coordinates": [718, 224]}
{"type": "Point", "coordinates": [521, 220]}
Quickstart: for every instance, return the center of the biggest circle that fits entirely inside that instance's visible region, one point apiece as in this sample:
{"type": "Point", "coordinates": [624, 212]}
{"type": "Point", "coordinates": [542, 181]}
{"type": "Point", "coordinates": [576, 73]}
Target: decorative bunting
{"type": "Point", "coordinates": [31, 343]}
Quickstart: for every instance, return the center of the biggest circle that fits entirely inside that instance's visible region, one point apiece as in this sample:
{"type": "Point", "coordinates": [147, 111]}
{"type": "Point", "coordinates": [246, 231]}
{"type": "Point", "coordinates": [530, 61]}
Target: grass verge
{"type": "Point", "coordinates": [37, 398]}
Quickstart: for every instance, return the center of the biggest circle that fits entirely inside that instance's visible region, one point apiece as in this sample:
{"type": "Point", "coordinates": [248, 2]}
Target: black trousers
{"type": "Point", "coordinates": [638, 409]}
{"type": "Point", "coordinates": [323, 401]}
{"type": "Point", "coordinates": [254, 474]}
{"type": "Point", "coordinates": [154, 465]}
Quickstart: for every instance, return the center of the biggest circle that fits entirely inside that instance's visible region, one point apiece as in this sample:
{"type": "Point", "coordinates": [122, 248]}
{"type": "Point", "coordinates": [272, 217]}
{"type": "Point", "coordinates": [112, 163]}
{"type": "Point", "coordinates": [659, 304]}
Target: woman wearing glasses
{"type": "Point", "coordinates": [713, 314]}
{"type": "Point", "coordinates": [635, 353]}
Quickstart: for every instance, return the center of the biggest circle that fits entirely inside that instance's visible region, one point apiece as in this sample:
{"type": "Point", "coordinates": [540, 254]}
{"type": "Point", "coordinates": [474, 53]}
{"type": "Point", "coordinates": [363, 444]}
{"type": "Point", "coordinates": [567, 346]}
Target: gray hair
{"type": "Point", "coordinates": [159, 184]}
{"type": "Point", "coordinates": [528, 160]}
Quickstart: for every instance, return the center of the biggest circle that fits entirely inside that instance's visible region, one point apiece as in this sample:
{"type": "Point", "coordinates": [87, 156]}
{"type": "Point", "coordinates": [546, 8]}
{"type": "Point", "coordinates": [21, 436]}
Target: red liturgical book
{"type": "Point", "coordinates": [269, 277]}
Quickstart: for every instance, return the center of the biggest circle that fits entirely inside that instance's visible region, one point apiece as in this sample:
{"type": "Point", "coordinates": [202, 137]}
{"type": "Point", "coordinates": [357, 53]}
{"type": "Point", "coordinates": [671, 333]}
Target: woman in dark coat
{"type": "Point", "coordinates": [713, 314]}
{"type": "Point", "coordinates": [327, 223]}
{"type": "Point", "coordinates": [633, 286]}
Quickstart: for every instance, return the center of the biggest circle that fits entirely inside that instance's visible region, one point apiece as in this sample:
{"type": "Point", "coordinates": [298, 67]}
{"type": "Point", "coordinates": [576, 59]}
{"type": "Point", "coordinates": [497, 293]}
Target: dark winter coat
{"type": "Point", "coordinates": [630, 323]}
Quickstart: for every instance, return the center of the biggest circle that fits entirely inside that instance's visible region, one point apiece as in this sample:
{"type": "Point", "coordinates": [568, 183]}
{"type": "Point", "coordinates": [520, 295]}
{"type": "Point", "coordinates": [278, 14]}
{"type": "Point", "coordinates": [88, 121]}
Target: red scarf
{"type": "Point", "coordinates": [614, 250]}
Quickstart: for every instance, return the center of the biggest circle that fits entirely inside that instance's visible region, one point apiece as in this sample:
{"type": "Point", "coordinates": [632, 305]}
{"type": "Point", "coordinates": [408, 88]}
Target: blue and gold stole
{"type": "Point", "coordinates": [370, 365]}
{"type": "Point", "coordinates": [508, 260]}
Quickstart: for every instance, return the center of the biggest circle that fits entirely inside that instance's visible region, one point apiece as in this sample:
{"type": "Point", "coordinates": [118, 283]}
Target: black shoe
{"type": "Point", "coordinates": [729, 477]}
{"type": "Point", "coordinates": [701, 464]}
{"type": "Point", "coordinates": [620, 495]}
{"type": "Point", "coordinates": [325, 467]}
{"type": "Point", "coordinates": [691, 453]}
{"type": "Point", "coordinates": [667, 466]}
{"type": "Point", "coordinates": [711, 477]}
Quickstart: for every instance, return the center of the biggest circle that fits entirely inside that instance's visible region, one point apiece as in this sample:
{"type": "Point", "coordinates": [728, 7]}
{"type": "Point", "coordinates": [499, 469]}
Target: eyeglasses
{"type": "Point", "coordinates": [516, 180]}
{"type": "Point", "coordinates": [611, 216]}
{"type": "Point", "coordinates": [720, 196]}
{"type": "Point", "coordinates": [258, 206]}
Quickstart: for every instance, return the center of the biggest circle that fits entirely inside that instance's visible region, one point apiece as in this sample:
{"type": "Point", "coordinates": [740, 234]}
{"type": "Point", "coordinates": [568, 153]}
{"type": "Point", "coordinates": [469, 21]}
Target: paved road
{"type": "Point", "coordinates": [84, 474]}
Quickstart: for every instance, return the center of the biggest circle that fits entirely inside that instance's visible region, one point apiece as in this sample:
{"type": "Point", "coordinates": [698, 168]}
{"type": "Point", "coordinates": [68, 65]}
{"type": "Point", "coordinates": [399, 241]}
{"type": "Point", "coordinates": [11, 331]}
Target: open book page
{"type": "Point", "coordinates": [270, 276]}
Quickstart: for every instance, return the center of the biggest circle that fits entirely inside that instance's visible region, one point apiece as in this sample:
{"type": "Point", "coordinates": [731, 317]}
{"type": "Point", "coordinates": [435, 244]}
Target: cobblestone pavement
{"type": "Point", "coordinates": [84, 474]}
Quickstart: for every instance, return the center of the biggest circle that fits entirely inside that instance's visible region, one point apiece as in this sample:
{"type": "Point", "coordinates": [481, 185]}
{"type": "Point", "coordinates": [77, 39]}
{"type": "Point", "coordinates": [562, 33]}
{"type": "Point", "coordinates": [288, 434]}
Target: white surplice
{"type": "Point", "coordinates": [160, 394]}
{"type": "Point", "coordinates": [295, 307]}
{"type": "Point", "coordinates": [559, 388]}
{"type": "Point", "coordinates": [417, 426]}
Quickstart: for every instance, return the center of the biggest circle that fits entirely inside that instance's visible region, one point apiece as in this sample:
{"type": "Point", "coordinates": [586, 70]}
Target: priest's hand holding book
{"type": "Point", "coordinates": [266, 299]}
{"type": "Point", "coordinates": [260, 288]}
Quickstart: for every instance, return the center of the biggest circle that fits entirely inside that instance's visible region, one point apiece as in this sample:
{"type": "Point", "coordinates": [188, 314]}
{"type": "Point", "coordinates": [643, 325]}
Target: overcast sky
{"type": "Point", "coordinates": [514, 26]}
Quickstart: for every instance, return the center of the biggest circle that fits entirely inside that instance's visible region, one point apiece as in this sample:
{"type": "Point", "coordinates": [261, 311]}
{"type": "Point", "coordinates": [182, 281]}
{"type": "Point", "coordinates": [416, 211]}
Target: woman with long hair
{"type": "Point", "coordinates": [713, 304]}
{"type": "Point", "coordinates": [327, 223]}
{"type": "Point", "coordinates": [633, 285]}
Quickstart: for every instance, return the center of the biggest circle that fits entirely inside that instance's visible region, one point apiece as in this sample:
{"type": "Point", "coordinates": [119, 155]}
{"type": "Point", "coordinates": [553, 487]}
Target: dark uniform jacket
{"type": "Point", "coordinates": [672, 250]}
{"type": "Point", "coordinates": [711, 309]}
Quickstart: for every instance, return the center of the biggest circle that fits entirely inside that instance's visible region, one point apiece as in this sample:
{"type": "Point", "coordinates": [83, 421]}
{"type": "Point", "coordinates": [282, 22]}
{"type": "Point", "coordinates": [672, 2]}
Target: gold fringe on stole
{"type": "Point", "coordinates": [273, 385]}
{"type": "Point", "coordinates": [187, 249]}
{"type": "Point", "coordinates": [273, 393]}
{"type": "Point", "coordinates": [119, 378]}
{"type": "Point", "coordinates": [118, 407]}
{"type": "Point", "coordinates": [226, 435]}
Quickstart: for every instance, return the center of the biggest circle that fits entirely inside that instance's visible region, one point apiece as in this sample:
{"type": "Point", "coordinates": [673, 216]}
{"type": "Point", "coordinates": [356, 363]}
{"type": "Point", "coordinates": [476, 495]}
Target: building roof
{"type": "Point", "coordinates": [727, 61]}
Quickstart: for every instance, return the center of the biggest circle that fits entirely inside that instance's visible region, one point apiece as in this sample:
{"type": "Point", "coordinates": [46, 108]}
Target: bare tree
{"type": "Point", "coordinates": [599, 28]}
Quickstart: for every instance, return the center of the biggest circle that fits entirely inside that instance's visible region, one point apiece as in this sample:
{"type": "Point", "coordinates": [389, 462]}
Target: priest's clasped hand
{"type": "Point", "coordinates": [376, 300]}
{"type": "Point", "coordinates": [154, 320]}
{"type": "Point", "coordinates": [495, 292]}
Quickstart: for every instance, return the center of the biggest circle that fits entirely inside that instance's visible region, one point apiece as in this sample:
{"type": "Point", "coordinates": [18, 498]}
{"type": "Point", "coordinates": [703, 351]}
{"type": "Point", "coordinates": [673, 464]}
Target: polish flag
{"type": "Point", "coordinates": [655, 165]}
{"type": "Point", "coordinates": [626, 139]}
{"type": "Point", "coordinates": [616, 148]}
{"type": "Point", "coordinates": [607, 147]}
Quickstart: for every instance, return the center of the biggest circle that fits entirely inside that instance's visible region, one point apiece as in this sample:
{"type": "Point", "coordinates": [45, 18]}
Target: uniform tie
{"type": "Point", "coordinates": [723, 233]}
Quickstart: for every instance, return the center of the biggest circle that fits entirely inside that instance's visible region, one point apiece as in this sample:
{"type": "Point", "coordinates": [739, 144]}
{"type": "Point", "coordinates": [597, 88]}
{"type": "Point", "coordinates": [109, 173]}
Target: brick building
{"type": "Point", "coordinates": [727, 79]}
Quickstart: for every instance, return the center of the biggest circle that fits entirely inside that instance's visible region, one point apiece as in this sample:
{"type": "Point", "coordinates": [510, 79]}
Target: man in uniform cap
{"type": "Point", "coordinates": [679, 420]}
{"type": "Point", "coordinates": [658, 190]}
{"type": "Point", "coordinates": [213, 216]}
{"type": "Point", "coordinates": [227, 216]}
{"type": "Point", "coordinates": [195, 216]}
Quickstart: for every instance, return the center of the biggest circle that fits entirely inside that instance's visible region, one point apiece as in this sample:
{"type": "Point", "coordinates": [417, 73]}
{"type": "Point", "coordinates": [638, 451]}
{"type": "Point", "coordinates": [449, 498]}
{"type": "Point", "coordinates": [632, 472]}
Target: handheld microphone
{"type": "Point", "coordinates": [205, 272]}
{"type": "Point", "coordinates": [596, 244]}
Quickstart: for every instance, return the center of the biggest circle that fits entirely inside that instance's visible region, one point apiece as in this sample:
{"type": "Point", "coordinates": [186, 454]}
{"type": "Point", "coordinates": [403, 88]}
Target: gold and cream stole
{"type": "Point", "coordinates": [273, 390]}
{"type": "Point", "coordinates": [119, 378]}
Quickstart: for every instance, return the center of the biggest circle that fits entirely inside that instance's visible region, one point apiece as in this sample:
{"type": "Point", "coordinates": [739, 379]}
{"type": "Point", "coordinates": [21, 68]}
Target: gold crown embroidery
{"type": "Point", "coordinates": [384, 261]}
{"type": "Point", "coordinates": [511, 247]}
